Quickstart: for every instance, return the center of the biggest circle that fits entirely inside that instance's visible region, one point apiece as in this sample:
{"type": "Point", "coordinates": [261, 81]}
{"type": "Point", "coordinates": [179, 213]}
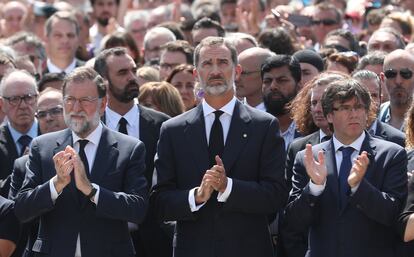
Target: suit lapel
{"type": "Point", "coordinates": [195, 129]}
{"type": "Point", "coordinates": [146, 131]}
{"type": "Point", "coordinates": [61, 144]}
{"type": "Point", "coordinates": [314, 138]}
{"type": "Point", "coordinates": [237, 136]}
{"type": "Point", "coordinates": [330, 160]}
{"type": "Point", "coordinates": [370, 148]}
{"type": "Point", "coordinates": [7, 140]}
{"type": "Point", "coordinates": [105, 157]}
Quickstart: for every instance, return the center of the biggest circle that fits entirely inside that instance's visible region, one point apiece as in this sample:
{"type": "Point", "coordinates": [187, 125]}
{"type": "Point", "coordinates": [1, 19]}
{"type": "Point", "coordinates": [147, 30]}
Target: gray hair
{"type": "Point", "coordinates": [134, 16]}
{"type": "Point", "coordinates": [32, 80]}
{"type": "Point", "coordinates": [155, 32]}
{"type": "Point", "coordinates": [211, 41]}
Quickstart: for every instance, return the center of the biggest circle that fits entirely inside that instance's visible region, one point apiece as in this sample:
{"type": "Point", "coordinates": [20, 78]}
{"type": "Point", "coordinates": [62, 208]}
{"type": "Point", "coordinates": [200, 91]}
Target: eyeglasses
{"type": "Point", "coordinates": [349, 108]}
{"type": "Point", "coordinates": [84, 101]}
{"type": "Point", "coordinates": [325, 22]}
{"type": "Point", "coordinates": [404, 73]}
{"type": "Point", "coordinates": [246, 73]}
{"type": "Point", "coordinates": [53, 112]}
{"type": "Point", "coordinates": [16, 100]}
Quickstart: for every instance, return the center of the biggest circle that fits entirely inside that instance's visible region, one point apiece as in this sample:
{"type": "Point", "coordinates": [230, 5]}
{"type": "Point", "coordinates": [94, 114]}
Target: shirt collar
{"type": "Point", "coordinates": [16, 134]}
{"type": "Point", "coordinates": [290, 130]}
{"type": "Point", "coordinates": [228, 108]}
{"type": "Point", "coordinates": [54, 69]}
{"type": "Point", "coordinates": [321, 135]}
{"type": "Point", "coordinates": [131, 116]}
{"type": "Point", "coordinates": [93, 137]}
{"type": "Point", "coordinates": [357, 144]}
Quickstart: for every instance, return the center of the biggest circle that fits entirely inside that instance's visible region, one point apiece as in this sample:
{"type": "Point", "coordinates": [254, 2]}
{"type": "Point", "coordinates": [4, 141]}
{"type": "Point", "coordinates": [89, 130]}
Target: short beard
{"type": "Point", "coordinates": [124, 96]}
{"type": "Point", "coordinates": [216, 90]}
{"type": "Point", "coordinates": [277, 107]}
{"type": "Point", "coordinates": [103, 21]}
{"type": "Point", "coordinates": [82, 128]}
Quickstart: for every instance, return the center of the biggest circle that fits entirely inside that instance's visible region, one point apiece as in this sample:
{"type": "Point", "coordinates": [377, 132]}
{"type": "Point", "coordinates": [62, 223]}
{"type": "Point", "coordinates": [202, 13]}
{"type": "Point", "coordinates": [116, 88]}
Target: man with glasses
{"type": "Point", "coordinates": [325, 18]}
{"type": "Point", "coordinates": [84, 183]}
{"type": "Point", "coordinates": [18, 101]}
{"type": "Point", "coordinates": [172, 54]}
{"type": "Point", "coordinates": [351, 187]}
{"type": "Point", "coordinates": [398, 78]}
{"type": "Point", "coordinates": [249, 82]}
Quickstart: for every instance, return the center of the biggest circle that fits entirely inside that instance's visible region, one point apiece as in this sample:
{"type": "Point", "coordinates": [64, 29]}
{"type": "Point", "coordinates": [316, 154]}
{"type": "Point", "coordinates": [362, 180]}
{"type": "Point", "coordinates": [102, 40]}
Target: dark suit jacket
{"type": "Point", "coordinates": [8, 153]}
{"type": "Point", "coordinates": [389, 133]}
{"type": "Point", "coordinates": [253, 157]}
{"type": "Point", "coordinates": [119, 171]}
{"type": "Point", "coordinates": [364, 226]}
{"type": "Point", "coordinates": [149, 131]}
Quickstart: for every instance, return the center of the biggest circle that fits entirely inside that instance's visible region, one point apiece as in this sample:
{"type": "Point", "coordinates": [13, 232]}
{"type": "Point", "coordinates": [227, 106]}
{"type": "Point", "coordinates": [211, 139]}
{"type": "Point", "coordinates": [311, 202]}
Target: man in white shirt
{"type": "Point", "coordinates": [84, 183]}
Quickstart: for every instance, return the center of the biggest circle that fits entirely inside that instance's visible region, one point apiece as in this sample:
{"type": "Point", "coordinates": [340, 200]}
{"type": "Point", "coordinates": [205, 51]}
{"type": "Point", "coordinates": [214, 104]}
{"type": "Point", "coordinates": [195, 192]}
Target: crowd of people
{"type": "Point", "coordinates": [257, 128]}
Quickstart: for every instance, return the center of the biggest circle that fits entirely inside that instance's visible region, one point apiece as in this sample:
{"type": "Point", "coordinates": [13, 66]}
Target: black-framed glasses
{"type": "Point", "coordinates": [16, 100]}
{"type": "Point", "coordinates": [325, 22]}
{"type": "Point", "coordinates": [349, 108]}
{"type": "Point", "coordinates": [83, 101]}
{"type": "Point", "coordinates": [246, 73]}
{"type": "Point", "coordinates": [404, 73]}
{"type": "Point", "coordinates": [53, 112]}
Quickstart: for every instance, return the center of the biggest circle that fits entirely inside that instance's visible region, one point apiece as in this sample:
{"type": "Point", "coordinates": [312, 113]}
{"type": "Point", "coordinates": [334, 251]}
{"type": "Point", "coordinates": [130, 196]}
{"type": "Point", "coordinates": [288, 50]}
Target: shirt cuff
{"type": "Point", "coordinates": [316, 190]}
{"type": "Point", "coordinates": [96, 197]}
{"type": "Point", "coordinates": [355, 188]}
{"type": "Point", "coordinates": [222, 197]}
{"type": "Point", "coordinates": [191, 201]}
{"type": "Point", "coordinates": [53, 193]}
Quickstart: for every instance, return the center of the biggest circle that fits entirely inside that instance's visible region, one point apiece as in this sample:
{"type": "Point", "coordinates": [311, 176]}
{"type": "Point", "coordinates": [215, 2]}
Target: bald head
{"type": "Point", "coordinates": [400, 57]}
{"type": "Point", "coordinates": [254, 57]}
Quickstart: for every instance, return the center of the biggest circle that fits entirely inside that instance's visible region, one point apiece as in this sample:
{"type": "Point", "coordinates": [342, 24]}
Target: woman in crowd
{"type": "Point", "coordinates": [182, 79]}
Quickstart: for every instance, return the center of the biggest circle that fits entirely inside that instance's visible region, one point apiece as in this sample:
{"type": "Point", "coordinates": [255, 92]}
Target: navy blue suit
{"type": "Point", "coordinates": [253, 157]}
{"type": "Point", "coordinates": [364, 227]}
{"type": "Point", "coordinates": [119, 171]}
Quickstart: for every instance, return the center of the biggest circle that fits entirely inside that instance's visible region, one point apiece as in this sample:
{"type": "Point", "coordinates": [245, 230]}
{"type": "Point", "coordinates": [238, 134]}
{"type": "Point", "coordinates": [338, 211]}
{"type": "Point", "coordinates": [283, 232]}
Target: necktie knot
{"type": "Point", "coordinates": [123, 125]}
{"type": "Point", "coordinates": [24, 141]}
{"type": "Point", "coordinates": [82, 144]}
{"type": "Point", "coordinates": [217, 114]}
{"type": "Point", "coordinates": [346, 151]}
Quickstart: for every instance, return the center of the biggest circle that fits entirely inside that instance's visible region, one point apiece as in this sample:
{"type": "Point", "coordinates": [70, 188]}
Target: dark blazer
{"type": "Point", "coordinates": [119, 171]}
{"type": "Point", "coordinates": [9, 225]}
{"type": "Point", "coordinates": [365, 226]}
{"type": "Point", "coordinates": [8, 153]}
{"type": "Point", "coordinates": [253, 157]}
{"type": "Point", "coordinates": [389, 133]}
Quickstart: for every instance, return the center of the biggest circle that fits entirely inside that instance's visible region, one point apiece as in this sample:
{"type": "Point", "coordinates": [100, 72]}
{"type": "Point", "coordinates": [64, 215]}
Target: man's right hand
{"type": "Point", "coordinates": [316, 169]}
{"type": "Point", "coordinates": [63, 166]}
{"type": "Point", "coordinates": [204, 191]}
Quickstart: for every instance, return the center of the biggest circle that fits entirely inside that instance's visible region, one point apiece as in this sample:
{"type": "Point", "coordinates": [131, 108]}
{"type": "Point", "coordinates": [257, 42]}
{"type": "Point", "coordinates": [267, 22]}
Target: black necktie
{"type": "Point", "coordinates": [82, 154]}
{"type": "Point", "coordinates": [123, 125]}
{"type": "Point", "coordinates": [325, 138]}
{"type": "Point", "coordinates": [216, 144]}
{"type": "Point", "coordinates": [24, 141]}
{"type": "Point", "coordinates": [344, 170]}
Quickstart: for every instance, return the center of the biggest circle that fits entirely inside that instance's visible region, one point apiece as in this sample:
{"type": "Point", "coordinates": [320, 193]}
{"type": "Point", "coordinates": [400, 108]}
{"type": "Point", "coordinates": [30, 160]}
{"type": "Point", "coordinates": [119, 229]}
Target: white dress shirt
{"type": "Point", "coordinates": [54, 69]}
{"type": "Point", "coordinates": [132, 117]}
{"type": "Point", "coordinates": [225, 120]}
{"type": "Point", "coordinates": [357, 144]}
{"type": "Point", "coordinates": [90, 151]}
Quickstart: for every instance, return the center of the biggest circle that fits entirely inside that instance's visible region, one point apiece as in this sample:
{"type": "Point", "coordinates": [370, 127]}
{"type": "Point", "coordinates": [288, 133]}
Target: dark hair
{"type": "Point", "coordinates": [81, 74]}
{"type": "Point", "coordinates": [48, 78]}
{"type": "Point", "coordinates": [123, 39]}
{"type": "Point", "coordinates": [348, 36]}
{"type": "Point", "coordinates": [223, 2]}
{"type": "Point", "coordinates": [182, 47]}
{"type": "Point", "coordinates": [344, 90]}
{"type": "Point", "coordinates": [326, 6]}
{"type": "Point", "coordinates": [207, 23]}
{"type": "Point", "coordinates": [175, 28]}
{"type": "Point", "coordinates": [348, 59]}
{"type": "Point", "coordinates": [210, 41]}
{"type": "Point", "coordinates": [397, 35]}
{"type": "Point", "coordinates": [180, 68]}
{"type": "Point", "coordinates": [281, 60]}
{"type": "Point", "coordinates": [100, 65]}
{"type": "Point", "coordinates": [62, 15]}
{"type": "Point", "coordinates": [116, 1]}
{"type": "Point", "coordinates": [276, 40]}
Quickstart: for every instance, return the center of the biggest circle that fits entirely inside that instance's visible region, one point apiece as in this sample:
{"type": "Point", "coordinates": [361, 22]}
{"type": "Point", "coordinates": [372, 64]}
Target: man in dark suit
{"type": "Point", "coordinates": [19, 102]}
{"type": "Point", "coordinates": [85, 183]}
{"type": "Point", "coordinates": [222, 188]}
{"type": "Point", "coordinates": [122, 114]}
{"type": "Point", "coordinates": [62, 38]}
{"type": "Point", "coordinates": [356, 187]}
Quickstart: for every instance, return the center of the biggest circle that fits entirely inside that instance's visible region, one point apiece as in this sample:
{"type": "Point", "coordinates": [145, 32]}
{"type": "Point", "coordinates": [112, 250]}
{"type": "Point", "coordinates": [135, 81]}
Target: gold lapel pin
{"type": "Point", "coordinates": [244, 135]}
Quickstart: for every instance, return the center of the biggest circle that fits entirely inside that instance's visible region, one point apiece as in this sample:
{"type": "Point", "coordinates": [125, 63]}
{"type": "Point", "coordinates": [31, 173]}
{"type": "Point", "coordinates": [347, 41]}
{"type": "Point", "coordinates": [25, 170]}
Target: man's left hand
{"type": "Point", "coordinates": [218, 176]}
{"type": "Point", "coordinates": [358, 170]}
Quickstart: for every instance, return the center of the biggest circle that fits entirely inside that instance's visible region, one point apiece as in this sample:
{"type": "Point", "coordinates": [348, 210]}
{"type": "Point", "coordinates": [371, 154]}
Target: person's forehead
{"type": "Point", "coordinates": [105, 2]}
{"type": "Point", "coordinates": [382, 36]}
{"type": "Point", "coordinates": [325, 13]}
{"type": "Point", "coordinates": [279, 71]}
{"type": "Point", "coordinates": [173, 56]}
{"type": "Point", "coordinates": [81, 88]}
{"type": "Point", "coordinates": [399, 60]}
{"type": "Point", "coordinates": [218, 51]}
{"type": "Point", "coordinates": [59, 24]}
{"type": "Point", "coordinates": [49, 101]}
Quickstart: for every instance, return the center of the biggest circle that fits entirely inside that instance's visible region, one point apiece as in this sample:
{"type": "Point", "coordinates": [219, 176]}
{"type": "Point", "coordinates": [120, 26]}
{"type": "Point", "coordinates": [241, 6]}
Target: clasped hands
{"type": "Point", "coordinates": [214, 179]}
{"type": "Point", "coordinates": [66, 162]}
{"type": "Point", "coordinates": [316, 169]}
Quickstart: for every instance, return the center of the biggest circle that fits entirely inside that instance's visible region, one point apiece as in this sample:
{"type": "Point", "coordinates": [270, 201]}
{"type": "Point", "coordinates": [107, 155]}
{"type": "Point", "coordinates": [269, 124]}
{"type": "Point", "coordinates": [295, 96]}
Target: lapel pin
{"type": "Point", "coordinates": [244, 135]}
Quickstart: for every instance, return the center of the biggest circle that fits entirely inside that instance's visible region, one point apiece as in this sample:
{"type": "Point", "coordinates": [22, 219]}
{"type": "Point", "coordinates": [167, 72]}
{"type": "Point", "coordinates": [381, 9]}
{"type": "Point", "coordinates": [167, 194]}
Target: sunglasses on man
{"type": "Point", "coordinates": [404, 73]}
{"type": "Point", "coordinates": [325, 22]}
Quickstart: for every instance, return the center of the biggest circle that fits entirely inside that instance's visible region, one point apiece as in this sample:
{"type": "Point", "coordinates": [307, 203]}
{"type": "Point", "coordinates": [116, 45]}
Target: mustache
{"type": "Point", "coordinates": [82, 114]}
{"type": "Point", "coordinates": [213, 77]}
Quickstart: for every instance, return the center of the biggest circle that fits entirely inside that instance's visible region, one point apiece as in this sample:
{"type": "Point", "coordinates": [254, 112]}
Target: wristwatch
{"type": "Point", "coordinates": [92, 193]}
